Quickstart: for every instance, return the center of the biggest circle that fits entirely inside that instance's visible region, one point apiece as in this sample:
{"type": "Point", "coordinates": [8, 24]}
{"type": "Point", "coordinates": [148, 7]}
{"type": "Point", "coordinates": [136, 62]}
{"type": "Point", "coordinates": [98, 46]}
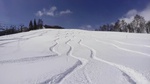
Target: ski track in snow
{"type": "Point", "coordinates": [7, 43]}
{"type": "Point", "coordinates": [131, 44]}
{"type": "Point", "coordinates": [29, 59]}
{"type": "Point", "coordinates": [21, 38]}
{"type": "Point", "coordinates": [87, 77]}
{"type": "Point", "coordinates": [92, 53]}
{"type": "Point", "coordinates": [84, 62]}
{"type": "Point", "coordinates": [9, 39]}
{"type": "Point", "coordinates": [16, 38]}
{"type": "Point", "coordinates": [80, 64]}
{"type": "Point", "coordinates": [31, 34]}
{"type": "Point", "coordinates": [52, 47]}
{"type": "Point", "coordinates": [133, 51]}
{"type": "Point", "coordinates": [70, 48]}
{"type": "Point", "coordinates": [56, 79]}
{"type": "Point", "coordinates": [131, 75]}
{"type": "Point", "coordinates": [41, 34]}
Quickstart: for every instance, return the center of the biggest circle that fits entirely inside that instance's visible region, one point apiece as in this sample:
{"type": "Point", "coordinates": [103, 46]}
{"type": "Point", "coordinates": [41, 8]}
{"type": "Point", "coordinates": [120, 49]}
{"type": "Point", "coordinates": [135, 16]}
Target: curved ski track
{"type": "Point", "coordinates": [84, 61]}
{"type": "Point", "coordinates": [56, 79]}
{"type": "Point", "coordinates": [21, 39]}
{"type": "Point", "coordinates": [52, 47]}
{"type": "Point", "coordinates": [131, 44]}
{"type": "Point", "coordinates": [123, 48]}
{"type": "Point", "coordinates": [132, 76]}
{"type": "Point", "coordinates": [32, 59]}
{"type": "Point", "coordinates": [59, 78]}
{"type": "Point", "coordinates": [29, 59]}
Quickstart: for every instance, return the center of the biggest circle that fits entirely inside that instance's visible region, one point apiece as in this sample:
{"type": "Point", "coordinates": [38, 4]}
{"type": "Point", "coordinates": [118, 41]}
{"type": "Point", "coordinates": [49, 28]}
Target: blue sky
{"type": "Point", "coordinates": [69, 13]}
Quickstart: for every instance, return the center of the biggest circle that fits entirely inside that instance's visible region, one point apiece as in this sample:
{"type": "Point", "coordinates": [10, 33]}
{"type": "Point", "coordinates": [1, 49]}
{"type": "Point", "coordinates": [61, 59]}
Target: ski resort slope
{"type": "Point", "coordinates": [70, 56]}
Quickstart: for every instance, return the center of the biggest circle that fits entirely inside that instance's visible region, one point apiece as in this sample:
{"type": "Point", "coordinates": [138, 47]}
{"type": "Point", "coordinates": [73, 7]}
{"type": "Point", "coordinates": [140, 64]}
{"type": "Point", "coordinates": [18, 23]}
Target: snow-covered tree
{"type": "Point", "coordinates": [104, 28]}
{"type": "Point", "coordinates": [148, 27]}
{"type": "Point", "coordinates": [117, 26]}
{"type": "Point", "coordinates": [111, 27]}
{"type": "Point", "coordinates": [138, 24]}
{"type": "Point", "coordinates": [123, 26]}
{"type": "Point", "coordinates": [130, 28]}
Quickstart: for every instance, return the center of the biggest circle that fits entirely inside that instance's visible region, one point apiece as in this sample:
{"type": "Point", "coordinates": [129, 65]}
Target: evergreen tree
{"type": "Point", "coordinates": [35, 25]}
{"type": "Point", "coordinates": [31, 25]}
{"type": "Point", "coordinates": [40, 23]}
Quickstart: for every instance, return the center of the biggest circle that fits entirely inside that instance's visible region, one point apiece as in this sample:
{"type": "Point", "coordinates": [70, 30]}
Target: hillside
{"type": "Point", "coordinates": [69, 56]}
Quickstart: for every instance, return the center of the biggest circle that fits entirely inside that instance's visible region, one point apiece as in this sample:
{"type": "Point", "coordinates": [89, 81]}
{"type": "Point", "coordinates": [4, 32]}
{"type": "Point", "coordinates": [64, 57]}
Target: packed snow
{"type": "Point", "coordinates": [71, 56]}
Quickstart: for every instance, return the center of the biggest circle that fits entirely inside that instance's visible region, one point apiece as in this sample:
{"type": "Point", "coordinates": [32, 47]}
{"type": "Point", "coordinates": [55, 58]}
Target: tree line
{"type": "Point", "coordinates": [12, 29]}
{"type": "Point", "coordinates": [33, 25]}
{"type": "Point", "coordinates": [138, 25]}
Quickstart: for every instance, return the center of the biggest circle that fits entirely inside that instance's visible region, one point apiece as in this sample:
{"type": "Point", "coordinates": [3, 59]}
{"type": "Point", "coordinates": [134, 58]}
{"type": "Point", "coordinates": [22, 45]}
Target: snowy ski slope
{"type": "Point", "coordinates": [72, 56]}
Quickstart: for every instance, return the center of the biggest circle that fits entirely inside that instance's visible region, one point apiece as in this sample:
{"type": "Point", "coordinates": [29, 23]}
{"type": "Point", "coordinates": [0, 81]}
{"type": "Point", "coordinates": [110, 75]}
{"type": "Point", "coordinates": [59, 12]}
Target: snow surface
{"type": "Point", "coordinates": [72, 56]}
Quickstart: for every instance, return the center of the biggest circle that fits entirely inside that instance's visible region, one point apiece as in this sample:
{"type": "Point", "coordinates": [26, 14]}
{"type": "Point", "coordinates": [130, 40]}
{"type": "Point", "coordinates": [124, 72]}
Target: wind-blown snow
{"type": "Point", "coordinates": [72, 56]}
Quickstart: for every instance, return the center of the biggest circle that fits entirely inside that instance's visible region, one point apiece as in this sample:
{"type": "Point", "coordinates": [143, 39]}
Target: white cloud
{"type": "Point", "coordinates": [128, 19]}
{"type": "Point", "coordinates": [65, 12]}
{"type": "Point", "coordinates": [52, 12]}
{"type": "Point", "coordinates": [146, 13]}
{"type": "Point", "coordinates": [131, 13]}
{"type": "Point", "coordinates": [129, 16]}
{"type": "Point", "coordinates": [39, 13]}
